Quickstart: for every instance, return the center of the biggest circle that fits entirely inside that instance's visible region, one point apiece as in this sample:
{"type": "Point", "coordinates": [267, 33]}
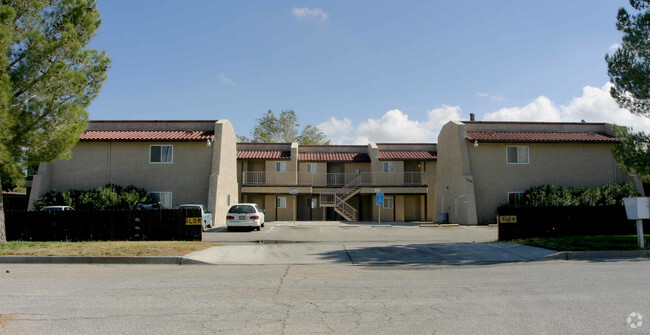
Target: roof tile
{"type": "Point", "coordinates": [540, 137]}
{"type": "Point", "coordinates": [147, 135]}
{"type": "Point", "coordinates": [258, 154]}
{"type": "Point", "coordinates": [408, 155]}
{"type": "Point", "coordinates": [333, 157]}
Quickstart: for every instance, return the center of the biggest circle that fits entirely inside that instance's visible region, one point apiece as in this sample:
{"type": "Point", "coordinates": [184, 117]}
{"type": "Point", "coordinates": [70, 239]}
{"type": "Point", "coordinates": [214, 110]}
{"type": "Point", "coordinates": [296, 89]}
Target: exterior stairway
{"type": "Point", "coordinates": [338, 200]}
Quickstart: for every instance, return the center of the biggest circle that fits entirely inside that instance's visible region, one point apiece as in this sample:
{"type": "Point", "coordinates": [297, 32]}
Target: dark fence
{"type": "Point", "coordinates": [15, 202]}
{"type": "Point", "coordinates": [143, 225]}
{"type": "Point", "coordinates": [528, 222]}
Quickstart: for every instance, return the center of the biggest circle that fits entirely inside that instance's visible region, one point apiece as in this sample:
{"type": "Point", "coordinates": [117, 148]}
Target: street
{"type": "Point", "coordinates": [547, 297]}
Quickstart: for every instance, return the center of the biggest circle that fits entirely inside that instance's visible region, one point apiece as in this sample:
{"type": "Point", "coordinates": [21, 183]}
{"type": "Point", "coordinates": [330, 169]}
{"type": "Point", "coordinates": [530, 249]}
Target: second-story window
{"type": "Point", "coordinates": [389, 167]}
{"type": "Point", "coordinates": [517, 155]}
{"type": "Point", "coordinates": [280, 166]}
{"type": "Point", "coordinates": [311, 167]}
{"type": "Point", "coordinates": [161, 154]}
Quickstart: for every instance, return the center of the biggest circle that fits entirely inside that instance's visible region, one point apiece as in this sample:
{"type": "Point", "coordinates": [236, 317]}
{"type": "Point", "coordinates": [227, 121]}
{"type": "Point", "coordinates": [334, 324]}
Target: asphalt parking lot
{"type": "Point", "coordinates": [363, 243]}
{"type": "Point", "coordinates": [328, 231]}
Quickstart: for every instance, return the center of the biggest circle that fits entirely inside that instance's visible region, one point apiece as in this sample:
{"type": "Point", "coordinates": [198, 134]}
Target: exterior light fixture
{"type": "Point", "coordinates": [475, 143]}
{"type": "Point", "coordinates": [209, 143]}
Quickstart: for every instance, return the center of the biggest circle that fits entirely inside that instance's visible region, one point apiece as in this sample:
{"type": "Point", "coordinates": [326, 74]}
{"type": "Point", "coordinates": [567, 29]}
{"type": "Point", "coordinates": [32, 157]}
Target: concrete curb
{"type": "Point", "coordinates": [168, 260]}
{"type": "Point", "coordinates": [604, 254]}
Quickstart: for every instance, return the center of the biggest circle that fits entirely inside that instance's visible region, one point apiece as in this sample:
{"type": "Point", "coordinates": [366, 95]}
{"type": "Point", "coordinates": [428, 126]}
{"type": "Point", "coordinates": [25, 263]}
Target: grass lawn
{"type": "Point", "coordinates": [107, 248]}
{"type": "Point", "coordinates": [586, 243]}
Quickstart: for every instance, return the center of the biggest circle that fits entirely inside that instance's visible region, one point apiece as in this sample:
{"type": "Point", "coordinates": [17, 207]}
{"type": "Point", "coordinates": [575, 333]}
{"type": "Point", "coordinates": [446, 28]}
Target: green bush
{"type": "Point", "coordinates": [558, 196]}
{"type": "Point", "coordinates": [109, 197]}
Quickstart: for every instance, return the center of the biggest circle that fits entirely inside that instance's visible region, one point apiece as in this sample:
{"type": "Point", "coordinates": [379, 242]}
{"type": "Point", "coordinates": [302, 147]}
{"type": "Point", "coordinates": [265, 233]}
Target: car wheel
{"type": "Point", "coordinates": [262, 224]}
{"type": "Point", "coordinates": [258, 228]}
{"type": "Point", "coordinates": [230, 228]}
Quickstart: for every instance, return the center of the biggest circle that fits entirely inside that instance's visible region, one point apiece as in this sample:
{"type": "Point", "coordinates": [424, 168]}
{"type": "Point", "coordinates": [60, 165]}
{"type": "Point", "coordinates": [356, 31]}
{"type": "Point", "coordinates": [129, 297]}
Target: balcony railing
{"type": "Point", "coordinates": [334, 179]}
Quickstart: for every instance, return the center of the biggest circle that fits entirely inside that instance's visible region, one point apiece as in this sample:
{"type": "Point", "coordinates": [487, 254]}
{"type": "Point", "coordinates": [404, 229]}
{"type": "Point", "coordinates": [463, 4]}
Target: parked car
{"type": "Point", "coordinates": [154, 205]}
{"type": "Point", "coordinates": [57, 208]}
{"type": "Point", "coordinates": [205, 215]}
{"type": "Point", "coordinates": [245, 215]}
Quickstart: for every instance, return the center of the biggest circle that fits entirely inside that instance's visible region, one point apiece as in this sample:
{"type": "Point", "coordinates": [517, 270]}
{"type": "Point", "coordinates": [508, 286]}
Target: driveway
{"type": "Point", "coordinates": [363, 244]}
{"type": "Point", "coordinates": [328, 231]}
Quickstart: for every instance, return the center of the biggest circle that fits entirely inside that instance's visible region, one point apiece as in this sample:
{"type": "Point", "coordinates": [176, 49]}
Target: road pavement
{"type": "Point", "coordinates": [552, 297]}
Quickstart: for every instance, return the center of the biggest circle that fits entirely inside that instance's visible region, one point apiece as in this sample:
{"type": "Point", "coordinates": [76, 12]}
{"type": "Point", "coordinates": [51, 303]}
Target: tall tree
{"type": "Point", "coordinates": [48, 77]}
{"type": "Point", "coordinates": [629, 70]}
{"type": "Point", "coordinates": [284, 129]}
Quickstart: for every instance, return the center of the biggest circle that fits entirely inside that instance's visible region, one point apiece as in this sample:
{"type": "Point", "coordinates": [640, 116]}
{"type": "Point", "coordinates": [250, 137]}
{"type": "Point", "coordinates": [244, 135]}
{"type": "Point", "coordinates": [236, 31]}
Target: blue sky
{"type": "Point", "coordinates": [361, 70]}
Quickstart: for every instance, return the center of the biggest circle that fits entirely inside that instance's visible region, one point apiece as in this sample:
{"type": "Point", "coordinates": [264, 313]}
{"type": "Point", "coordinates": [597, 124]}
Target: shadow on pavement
{"type": "Point", "coordinates": [436, 253]}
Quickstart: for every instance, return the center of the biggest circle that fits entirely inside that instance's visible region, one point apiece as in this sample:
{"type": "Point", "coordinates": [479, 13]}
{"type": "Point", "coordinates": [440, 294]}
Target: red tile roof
{"type": "Point", "coordinates": [333, 157]}
{"type": "Point", "coordinates": [408, 155]}
{"type": "Point", "coordinates": [264, 154]}
{"type": "Point", "coordinates": [147, 135]}
{"type": "Point", "coordinates": [539, 137]}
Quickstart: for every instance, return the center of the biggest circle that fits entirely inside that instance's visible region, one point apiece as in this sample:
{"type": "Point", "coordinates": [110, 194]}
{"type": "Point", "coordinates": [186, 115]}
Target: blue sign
{"type": "Point", "coordinates": [380, 199]}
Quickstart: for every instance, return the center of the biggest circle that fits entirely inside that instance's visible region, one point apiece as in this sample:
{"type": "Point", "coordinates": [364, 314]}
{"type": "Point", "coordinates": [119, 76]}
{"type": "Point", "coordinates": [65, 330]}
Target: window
{"type": "Point", "coordinates": [514, 198]}
{"type": "Point", "coordinates": [517, 155]}
{"type": "Point", "coordinates": [314, 203]}
{"type": "Point", "coordinates": [311, 167]}
{"type": "Point", "coordinates": [161, 154]}
{"type": "Point", "coordinates": [280, 166]}
{"type": "Point", "coordinates": [31, 170]}
{"type": "Point", "coordinates": [281, 202]}
{"type": "Point", "coordinates": [388, 202]}
{"type": "Point", "coordinates": [164, 197]}
{"type": "Point", "coordinates": [388, 167]}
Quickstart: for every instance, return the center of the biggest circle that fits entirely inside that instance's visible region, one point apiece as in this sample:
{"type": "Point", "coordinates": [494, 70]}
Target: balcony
{"type": "Point", "coordinates": [334, 179]}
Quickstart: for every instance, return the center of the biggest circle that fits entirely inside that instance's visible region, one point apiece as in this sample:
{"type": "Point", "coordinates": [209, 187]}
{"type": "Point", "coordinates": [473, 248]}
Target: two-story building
{"type": "Point", "coordinates": [474, 168]}
{"type": "Point", "coordinates": [338, 182]}
{"type": "Point", "coordinates": [482, 165]}
{"type": "Point", "coordinates": [176, 161]}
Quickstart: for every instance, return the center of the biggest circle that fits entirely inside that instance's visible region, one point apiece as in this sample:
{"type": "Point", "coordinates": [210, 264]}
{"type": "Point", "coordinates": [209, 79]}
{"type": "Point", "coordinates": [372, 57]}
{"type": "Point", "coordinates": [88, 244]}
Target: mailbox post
{"type": "Point", "coordinates": [638, 209]}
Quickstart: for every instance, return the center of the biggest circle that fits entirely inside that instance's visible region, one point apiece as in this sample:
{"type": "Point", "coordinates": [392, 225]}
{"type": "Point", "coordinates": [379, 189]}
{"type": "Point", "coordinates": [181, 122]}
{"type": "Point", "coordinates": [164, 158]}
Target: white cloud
{"type": "Point", "coordinates": [491, 97]}
{"type": "Point", "coordinates": [595, 105]}
{"type": "Point", "coordinates": [541, 109]}
{"type": "Point", "coordinates": [613, 48]}
{"type": "Point", "coordinates": [335, 126]}
{"type": "Point", "coordinates": [224, 79]}
{"type": "Point", "coordinates": [310, 13]}
{"type": "Point", "coordinates": [393, 126]}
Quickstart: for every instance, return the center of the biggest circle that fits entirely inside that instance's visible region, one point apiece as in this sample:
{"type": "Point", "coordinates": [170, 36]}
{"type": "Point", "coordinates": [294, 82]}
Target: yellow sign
{"type": "Point", "coordinates": [193, 221]}
{"type": "Point", "coordinates": [507, 219]}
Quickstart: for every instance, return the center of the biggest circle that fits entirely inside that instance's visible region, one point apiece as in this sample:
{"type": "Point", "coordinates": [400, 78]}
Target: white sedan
{"type": "Point", "coordinates": [245, 215]}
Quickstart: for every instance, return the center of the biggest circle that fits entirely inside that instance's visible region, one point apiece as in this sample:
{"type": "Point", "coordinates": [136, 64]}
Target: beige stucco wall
{"type": "Point", "coordinates": [454, 188]}
{"type": "Point", "coordinates": [223, 186]}
{"type": "Point", "coordinates": [95, 164]}
{"type": "Point", "coordinates": [564, 164]}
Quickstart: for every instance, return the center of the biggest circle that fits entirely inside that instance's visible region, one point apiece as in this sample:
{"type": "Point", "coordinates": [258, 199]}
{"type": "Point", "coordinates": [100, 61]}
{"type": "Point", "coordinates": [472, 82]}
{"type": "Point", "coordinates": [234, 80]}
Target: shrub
{"type": "Point", "coordinates": [558, 196]}
{"type": "Point", "coordinates": [109, 197]}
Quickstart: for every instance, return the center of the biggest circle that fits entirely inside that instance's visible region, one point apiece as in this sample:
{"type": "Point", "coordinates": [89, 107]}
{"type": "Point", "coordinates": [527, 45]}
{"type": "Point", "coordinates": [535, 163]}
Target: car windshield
{"type": "Point", "coordinates": [147, 206]}
{"type": "Point", "coordinates": [242, 209]}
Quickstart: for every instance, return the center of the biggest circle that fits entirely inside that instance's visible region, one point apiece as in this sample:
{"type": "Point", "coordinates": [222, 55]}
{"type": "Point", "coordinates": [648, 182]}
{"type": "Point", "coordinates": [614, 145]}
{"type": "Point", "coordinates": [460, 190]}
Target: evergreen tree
{"type": "Point", "coordinates": [48, 77]}
{"type": "Point", "coordinates": [629, 70]}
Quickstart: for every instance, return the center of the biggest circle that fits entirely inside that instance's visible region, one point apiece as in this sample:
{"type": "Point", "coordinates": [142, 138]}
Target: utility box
{"type": "Point", "coordinates": [637, 208]}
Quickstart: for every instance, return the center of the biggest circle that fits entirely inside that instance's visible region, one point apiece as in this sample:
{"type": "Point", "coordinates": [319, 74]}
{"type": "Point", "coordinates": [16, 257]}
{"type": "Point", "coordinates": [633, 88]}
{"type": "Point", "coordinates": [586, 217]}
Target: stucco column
{"type": "Point", "coordinates": [293, 164]}
{"type": "Point", "coordinates": [224, 189]}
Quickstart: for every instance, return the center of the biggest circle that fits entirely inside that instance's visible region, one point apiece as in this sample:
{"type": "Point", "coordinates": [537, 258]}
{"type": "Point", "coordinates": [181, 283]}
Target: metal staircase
{"type": "Point", "coordinates": [338, 200]}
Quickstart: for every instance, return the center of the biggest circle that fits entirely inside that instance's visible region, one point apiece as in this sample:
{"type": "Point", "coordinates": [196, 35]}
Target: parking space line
{"type": "Point", "coordinates": [268, 231]}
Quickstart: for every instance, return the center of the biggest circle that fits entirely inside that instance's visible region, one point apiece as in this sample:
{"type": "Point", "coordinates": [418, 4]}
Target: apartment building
{"type": "Point", "coordinates": [482, 165]}
{"type": "Point", "coordinates": [177, 161]}
{"type": "Point", "coordinates": [338, 182]}
{"type": "Point", "coordinates": [474, 168]}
